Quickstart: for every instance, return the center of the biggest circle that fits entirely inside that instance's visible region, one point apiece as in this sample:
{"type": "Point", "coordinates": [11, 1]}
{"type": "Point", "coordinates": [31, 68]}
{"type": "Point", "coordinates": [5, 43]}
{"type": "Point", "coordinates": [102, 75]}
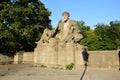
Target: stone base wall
{"type": "Point", "coordinates": [104, 59]}
{"type": "Point", "coordinates": [24, 57]}
{"type": "Point", "coordinates": [58, 55]}
{"type": "Point", "coordinates": [4, 59]}
{"type": "Point", "coordinates": [97, 59]}
{"type": "Point", "coordinates": [28, 57]}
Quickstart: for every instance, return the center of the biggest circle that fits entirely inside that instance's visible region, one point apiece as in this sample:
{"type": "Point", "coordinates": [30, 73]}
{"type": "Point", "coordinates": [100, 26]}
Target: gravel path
{"type": "Point", "coordinates": [26, 72]}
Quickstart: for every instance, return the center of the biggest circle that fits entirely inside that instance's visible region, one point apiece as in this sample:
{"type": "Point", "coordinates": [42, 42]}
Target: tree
{"type": "Point", "coordinates": [22, 23]}
{"type": "Point", "coordinates": [109, 35]}
{"type": "Point", "coordinates": [5, 35]}
{"type": "Point", "coordinates": [103, 37]}
{"type": "Point", "coordinates": [89, 37]}
{"type": "Point", "coordinates": [114, 32]}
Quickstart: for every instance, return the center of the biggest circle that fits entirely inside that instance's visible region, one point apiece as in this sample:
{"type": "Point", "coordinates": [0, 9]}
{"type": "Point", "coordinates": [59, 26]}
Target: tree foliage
{"type": "Point", "coordinates": [21, 24]}
{"type": "Point", "coordinates": [103, 37]}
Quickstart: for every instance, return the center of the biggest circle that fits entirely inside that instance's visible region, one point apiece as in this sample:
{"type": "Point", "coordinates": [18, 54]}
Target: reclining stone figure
{"type": "Point", "coordinates": [66, 31]}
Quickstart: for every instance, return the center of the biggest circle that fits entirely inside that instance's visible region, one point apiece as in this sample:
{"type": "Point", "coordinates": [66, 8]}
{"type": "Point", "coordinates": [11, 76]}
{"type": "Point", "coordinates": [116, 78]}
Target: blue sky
{"type": "Point", "coordinates": [91, 12]}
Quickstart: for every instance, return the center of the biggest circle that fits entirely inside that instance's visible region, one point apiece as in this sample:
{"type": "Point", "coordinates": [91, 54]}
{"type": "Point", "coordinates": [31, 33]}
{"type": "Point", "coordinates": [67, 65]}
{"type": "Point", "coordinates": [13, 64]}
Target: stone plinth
{"type": "Point", "coordinates": [45, 54]}
{"type": "Point", "coordinates": [78, 56]}
{"type": "Point", "coordinates": [59, 54]}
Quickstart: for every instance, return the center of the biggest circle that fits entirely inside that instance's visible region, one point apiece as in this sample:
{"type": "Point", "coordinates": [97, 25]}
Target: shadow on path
{"type": "Point", "coordinates": [81, 78]}
{"type": "Point", "coordinates": [85, 58]}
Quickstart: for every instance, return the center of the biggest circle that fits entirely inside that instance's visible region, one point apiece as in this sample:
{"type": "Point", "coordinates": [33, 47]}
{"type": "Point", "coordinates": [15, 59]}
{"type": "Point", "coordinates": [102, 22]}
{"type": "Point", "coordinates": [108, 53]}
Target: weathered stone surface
{"type": "Point", "coordinates": [18, 58]}
{"type": "Point", "coordinates": [4, 59]}
{"type": "Point", "coordinates": [60, 46]}
{"type": "Point", "coordinates": [104, 59]}
{"type": "Point", "coordinates": [58, 55]}
{"type": "Point", "coordinates": [24, 57]}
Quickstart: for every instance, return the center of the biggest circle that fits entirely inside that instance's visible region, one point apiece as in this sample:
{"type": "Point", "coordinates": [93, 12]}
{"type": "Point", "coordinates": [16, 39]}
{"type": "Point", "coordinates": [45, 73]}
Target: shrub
{"type": "Point", "coordinates": [43, 66]}
{"type": "Point", "coordinates": [69, 66]}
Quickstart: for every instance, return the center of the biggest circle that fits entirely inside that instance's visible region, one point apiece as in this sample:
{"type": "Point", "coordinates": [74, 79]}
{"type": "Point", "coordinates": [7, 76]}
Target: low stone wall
{"type": "Point", "coordinates": [18, 57]}
{"type": "Point", "coordinates": [4, 59]}
{"type": "Point", "coordinates": [103, 59]}
{"type": "Point", "coordinates": [65, 53]}
{"type": "Point", "coordinates": [24, 57]}
{"type": "Point", "coordinates": [97, 59]}
{"type": "Point", "coordinates": [28, 57]}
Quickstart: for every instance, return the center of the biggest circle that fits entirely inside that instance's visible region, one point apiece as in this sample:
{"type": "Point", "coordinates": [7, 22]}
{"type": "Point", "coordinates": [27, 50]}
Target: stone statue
{"type": "Point", "coordinates": [47, 34]}
{"type": "Point", "coordinates": [59, 46]}
{"type": "Point", "coordinates": [66, 31]}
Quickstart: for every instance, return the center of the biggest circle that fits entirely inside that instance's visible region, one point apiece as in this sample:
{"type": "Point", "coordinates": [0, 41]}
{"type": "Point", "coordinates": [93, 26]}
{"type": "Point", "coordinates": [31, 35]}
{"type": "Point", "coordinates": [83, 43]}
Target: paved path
{"type": "Point", "coordinates": [26, 72]}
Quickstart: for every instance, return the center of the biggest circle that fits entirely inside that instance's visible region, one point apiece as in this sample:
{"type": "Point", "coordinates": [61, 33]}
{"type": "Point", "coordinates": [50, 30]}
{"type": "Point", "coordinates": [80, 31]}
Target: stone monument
{"type": "Point", "coordinates": [60, 46]}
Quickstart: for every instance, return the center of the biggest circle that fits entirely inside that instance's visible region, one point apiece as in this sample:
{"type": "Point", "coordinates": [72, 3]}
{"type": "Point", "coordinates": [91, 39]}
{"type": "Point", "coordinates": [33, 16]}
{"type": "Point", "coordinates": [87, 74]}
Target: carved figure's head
{"type": "Point", "coordinates": [66, 16]}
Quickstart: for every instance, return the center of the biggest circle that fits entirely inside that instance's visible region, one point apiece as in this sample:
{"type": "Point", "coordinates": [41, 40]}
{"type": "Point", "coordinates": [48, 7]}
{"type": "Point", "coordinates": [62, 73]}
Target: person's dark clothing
{"type": "Point", "coordinates": [119, 59]}
{"type": "Point", "coordinates": [85, 56]}
{"type": "Point", "coordinates": [119, 54]}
